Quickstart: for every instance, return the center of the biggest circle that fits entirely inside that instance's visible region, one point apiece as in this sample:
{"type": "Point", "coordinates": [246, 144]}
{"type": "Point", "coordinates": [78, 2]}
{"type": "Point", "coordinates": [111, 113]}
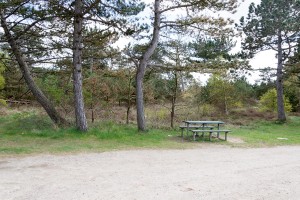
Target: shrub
{"type": "Point", "coordinates": [3, 102]}
{"type": "Point", "coordinates": [268, 102]}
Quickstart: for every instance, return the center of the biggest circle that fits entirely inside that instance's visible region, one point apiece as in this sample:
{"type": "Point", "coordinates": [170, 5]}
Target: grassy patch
{"type": "Point", "coordinates": [24, 133]}
{"type": "Point", "coordinates": [29, 133]}
{"type": "Point", "coordinates": [268, 133]}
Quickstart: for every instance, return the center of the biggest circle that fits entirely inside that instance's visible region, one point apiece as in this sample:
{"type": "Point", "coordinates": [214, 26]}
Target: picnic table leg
{"type": "Point", "coordinates": [210, 134]}
{"type": "Point", "coordinates": [226, 136]}
{"type": "Point", "coordinates": [187, 129]}
{"type": "Point", "coordinates": [218, 133]}
{"type": "Point", "coordinates": [181, 132]}
{"type": "Point", "coordinates": [211, 129]}
{"type": "Point", "coordinates": [194, 136]}
{"type": "Point", "coordinates": [202, 135]}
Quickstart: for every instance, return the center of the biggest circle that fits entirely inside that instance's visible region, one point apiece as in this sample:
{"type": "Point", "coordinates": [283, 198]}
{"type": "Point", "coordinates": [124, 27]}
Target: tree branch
{"type": "Point", "coordinates": [15, 10]}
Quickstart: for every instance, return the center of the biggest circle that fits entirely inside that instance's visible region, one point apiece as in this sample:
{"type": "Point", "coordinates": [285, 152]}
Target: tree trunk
{"type": "Point", "coordinates": [174, 96]}
{"type": "Point", "coordinates": [279, 82]}
{"type": "Point", "coordinates": [142, 66]}
{"type": "Point", "coordinates": [140, 97]}
{"type": "Point", "coordinates": [81, 122]}
{"type": "Point", "coordinates": [92, 107]}
{"type": "Point", "coordinates": [225, 100]}
{"type": "Point", "coordinates": [36, 91]}
{"type": "Point", "coordinates": [128, 113]}
{"type": "Point", "coordinates": [128, 99]}
{"type": "Point", "coordinates": [173, 111]}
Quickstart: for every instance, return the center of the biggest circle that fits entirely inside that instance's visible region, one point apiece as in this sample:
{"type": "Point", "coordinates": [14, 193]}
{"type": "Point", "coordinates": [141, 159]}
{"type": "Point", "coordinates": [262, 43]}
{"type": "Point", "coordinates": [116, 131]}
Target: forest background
{"type": "Point", "coordinates": [61, 55]}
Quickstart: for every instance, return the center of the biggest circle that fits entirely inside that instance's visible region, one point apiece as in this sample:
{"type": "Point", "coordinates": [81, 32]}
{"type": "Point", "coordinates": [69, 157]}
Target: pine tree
{"type": "Point", "coordinates": [193, 19]}
{"type": "Point", "coordinates": [16, 34]}
{"type": "Point", "coordinates": [109, 15]}
{"type": "Point", "coordinates": [273, 25]}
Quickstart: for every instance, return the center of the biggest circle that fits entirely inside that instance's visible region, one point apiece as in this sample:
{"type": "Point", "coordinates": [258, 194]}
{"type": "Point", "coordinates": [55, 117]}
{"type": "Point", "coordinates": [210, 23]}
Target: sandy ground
{"type": "Point", "coordinates": [205, 173]}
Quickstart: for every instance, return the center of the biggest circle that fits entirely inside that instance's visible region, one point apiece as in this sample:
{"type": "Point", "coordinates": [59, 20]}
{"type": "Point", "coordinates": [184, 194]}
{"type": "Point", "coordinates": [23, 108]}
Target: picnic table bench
{"type": "Point", "coordinates": [210, 133]}
{"type": "Point", "coordinates": [204, 127]}
{"type": "Point", "coordinates": [196, 127]}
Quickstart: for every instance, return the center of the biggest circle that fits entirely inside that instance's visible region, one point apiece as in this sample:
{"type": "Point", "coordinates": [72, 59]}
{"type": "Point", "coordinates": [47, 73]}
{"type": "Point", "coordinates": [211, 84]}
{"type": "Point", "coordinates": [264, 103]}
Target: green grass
{"type": "Point", "coordinates": [267, 133]}
{"type": "Point", "coordinates": [30, 133]}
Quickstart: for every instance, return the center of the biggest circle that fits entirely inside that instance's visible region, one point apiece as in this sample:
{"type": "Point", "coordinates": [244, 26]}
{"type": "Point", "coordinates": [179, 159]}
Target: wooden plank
{"type": "Point", "coordinates": [204, 122]}
{"type": "Point", "coordinates": [182, 127]}
{"type": "Point", "coordinates": [18, 102]}
{"type": "Point", "coordinates": [210, 130]}
{"type": "Point", "coordinates": [196, 126]}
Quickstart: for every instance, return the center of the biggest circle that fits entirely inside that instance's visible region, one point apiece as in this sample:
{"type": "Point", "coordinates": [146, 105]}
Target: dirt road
{"type": "Point", "coordinates": [205, 173]}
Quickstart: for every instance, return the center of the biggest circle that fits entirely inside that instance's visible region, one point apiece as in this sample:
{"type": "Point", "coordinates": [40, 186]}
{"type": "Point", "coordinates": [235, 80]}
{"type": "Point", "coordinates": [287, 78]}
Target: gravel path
{"type": "Point", "coordinates": [205, 173]}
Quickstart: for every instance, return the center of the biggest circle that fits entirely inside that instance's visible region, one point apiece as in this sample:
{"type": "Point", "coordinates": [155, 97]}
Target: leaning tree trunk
{"type": "Point", "coordinates": [81, 122]}
{"type": "Point", "coordinates": [279, 82]}
{"type": "Point", "coordinates": [36, 91]}
{"type": "Point", "coordinates": [142, 66]}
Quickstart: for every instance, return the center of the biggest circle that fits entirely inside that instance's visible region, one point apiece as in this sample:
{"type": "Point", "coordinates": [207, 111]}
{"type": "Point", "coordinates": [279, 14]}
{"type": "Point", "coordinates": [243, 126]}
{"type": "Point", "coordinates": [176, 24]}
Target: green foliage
{"type": "Point", "coordinates": [51, 84]}
{"type": "Point", "coordinates": [15, 86]}
{"type": "Point", "coordinates": [56, 85]}
{"type": "Point", "coordinates": [3, 102]}
{"type": "Point", "coordinates": [223, 92]}
{"type": "Point", "coordinates": [162, 87]}
{"type": "Point", "coordinates": [214, 54]}
{"type": "Point", "coordinates": [243, 91]}
{"type": "Point", "coordinates": [2, 80]}
{"type": "Point", "coordinates": [262, 88]}
{"type": "Point", "coordinates": [212, 48]}
{"type": "Point", "coordinates": [268, 102]}
{"type": "Point", "coordinates": [218, 92]}
{"type": "Point", "coordinates": [2, 69]}
{"type": "Point", "coordinates": [292, 91]}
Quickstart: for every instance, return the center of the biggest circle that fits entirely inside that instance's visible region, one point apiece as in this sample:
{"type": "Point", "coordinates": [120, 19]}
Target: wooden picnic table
{"type": "Point", "coordinates": [202, 127]}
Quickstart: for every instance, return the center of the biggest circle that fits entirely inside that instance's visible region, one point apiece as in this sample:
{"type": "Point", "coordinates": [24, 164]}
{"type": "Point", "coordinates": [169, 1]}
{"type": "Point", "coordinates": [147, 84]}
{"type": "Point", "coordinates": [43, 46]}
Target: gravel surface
{"type": "Point", "coordinates": [205, 173]}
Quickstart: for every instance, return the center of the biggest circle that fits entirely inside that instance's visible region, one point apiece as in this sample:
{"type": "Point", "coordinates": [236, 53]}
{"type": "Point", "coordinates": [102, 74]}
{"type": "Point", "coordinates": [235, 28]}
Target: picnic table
{"type": "Point", "coordinates": [204, 127]}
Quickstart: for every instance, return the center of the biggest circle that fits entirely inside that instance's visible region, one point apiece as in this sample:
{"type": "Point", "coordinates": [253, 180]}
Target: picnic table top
{"type": "Point", "coordinates": [204, 122]}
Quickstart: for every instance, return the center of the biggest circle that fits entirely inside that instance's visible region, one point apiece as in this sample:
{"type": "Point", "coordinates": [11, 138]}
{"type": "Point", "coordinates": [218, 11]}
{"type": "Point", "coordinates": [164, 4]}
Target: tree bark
{"type": "Point", "coordinates": [36, 91]}
{"type": "Point", "coordinates": [173, 111]}
{"type": "Point", "coordinates": [128, 99]}
{"type": "Point", "coordinates": [127, 114]}
{"type": "Point", "coordinates": [174, 98]}
{"type": "Point", "coordinates": [279, 82]}
{"type": "Point", "coordinates": [142, 66]}
{"type": "Point", "coordinates": [81, 122]}
{"type": "Point", "coordinates": [174, 95]}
